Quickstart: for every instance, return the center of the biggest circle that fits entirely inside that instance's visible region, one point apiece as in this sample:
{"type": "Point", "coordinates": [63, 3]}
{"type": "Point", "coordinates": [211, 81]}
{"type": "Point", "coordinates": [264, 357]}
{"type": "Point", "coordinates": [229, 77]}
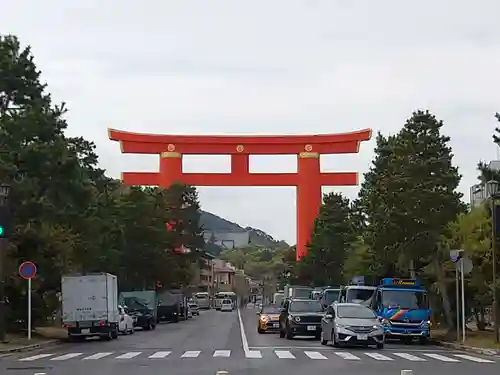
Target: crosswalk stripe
{"type": "Point", "coordinates": [222, 353]}
{"type": "Point", "coordinates": [409, 357]}
{"type": "Point", "coordinates": [315, 355]}
{"type": "Point", "coordinates": [128, 355]}
{"type": "Point", "coordinates": [253, 354]}
{"type": "Point", "coordinates": [66, 356]}
{"type": "Point", "coordinates": [98, 355]}
{"type": "Point", "coordinates": [347, 355]}
{"type": "Point", "coordinates": [379, 357]}
{"type": "Point", "coordinates": [282, 354]}
{"type": "Point", "coordinates": [473, 359]}
{"type": "Point", "coordinates": [36, 357]}
{"type": "Point", "coordinates": [440, 357]}
{"type": "Point", "coordinates": [191, 354]}
{"type": "Point", "coordinates": [159, 355]}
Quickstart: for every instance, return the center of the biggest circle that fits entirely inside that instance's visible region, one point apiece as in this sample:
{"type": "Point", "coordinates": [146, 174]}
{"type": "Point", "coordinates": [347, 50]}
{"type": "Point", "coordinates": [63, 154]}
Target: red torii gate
{"type": "Point", "coordinates": [308, 178]}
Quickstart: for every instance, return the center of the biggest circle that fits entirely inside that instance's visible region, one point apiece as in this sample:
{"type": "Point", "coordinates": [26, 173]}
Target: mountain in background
{"type": "Point", "coordinates": [221, 233]}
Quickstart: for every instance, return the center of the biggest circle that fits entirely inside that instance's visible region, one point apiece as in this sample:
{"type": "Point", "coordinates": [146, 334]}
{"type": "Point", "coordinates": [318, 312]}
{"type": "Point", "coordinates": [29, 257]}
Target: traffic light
{"type": "Point", "coordinates": [5, 221]}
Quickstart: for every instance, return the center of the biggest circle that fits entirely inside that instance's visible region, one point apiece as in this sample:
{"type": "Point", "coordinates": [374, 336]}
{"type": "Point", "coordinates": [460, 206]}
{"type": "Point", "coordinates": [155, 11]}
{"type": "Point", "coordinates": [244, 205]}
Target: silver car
{"type": "Point", "coordinates": [351, 324]}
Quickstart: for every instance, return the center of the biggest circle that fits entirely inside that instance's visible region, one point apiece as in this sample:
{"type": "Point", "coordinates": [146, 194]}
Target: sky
{"type": "Point", "coordinates": [267, 67]}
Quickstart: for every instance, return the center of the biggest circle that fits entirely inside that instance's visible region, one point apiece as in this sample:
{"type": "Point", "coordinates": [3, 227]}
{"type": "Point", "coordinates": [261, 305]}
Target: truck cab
{"type": "Point", "coordinates": [402, 306]}
{"type": "Point", "coordinates": [361, 294]}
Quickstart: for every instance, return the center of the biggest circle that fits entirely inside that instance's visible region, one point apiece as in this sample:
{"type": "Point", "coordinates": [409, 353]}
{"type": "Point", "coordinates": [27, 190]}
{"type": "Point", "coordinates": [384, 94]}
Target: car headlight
{"type": "Point", "coordinates": [264, 318]}
{"type": "Point", "coordinates": [385, 322]}
{"type": "Point", "coordinates": [295, 318]}
{"type": "Point", "coordinates": [378, 327]}
{"type": "Point", "coordinates": [426, 323]}
{"type": "Point", "coordinates": [341, 326]}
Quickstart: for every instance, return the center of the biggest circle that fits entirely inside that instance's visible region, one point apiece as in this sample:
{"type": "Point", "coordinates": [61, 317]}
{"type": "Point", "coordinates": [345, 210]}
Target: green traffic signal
{"type": "Point", "coordinates": [2, 231]}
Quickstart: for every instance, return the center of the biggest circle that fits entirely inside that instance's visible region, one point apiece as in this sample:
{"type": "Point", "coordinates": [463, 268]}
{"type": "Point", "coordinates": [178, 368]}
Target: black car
{"type": "Point", "coordinates": [301, 317]}
{"type": "Point", "coordinates": [142, 314]}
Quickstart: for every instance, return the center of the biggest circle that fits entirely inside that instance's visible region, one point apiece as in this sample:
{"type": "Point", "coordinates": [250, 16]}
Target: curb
{"type": "Point", "coordinates": [27, 348]}
{"type": "Point", "coordinates": [453, 345]}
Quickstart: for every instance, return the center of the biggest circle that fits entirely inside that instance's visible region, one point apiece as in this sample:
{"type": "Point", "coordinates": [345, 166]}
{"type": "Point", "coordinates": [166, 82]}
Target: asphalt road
{"type": "Point", "coordinates": [215, 341]}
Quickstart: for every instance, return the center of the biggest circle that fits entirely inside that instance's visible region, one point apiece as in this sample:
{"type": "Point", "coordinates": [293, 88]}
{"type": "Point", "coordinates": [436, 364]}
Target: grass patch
{"type": "Point", "coordinates": [479, 339]}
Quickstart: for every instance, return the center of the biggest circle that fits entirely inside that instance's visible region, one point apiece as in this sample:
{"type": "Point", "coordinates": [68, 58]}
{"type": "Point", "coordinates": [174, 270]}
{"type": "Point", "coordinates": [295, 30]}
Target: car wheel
{"type": "Point", "coordinates": [289, 334]}
{"type": "Point", "coordinates": [322, 338]}
{"type": "Point", "coordinates": [380, 345]}
{"type": "Point", "coordinates": [260, 330]}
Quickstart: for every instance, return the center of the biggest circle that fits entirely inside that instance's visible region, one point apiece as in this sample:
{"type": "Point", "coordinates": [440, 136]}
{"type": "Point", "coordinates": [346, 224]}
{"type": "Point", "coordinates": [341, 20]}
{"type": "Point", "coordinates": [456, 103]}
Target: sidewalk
{"type": "Point", "coordinates": [481, 342]}
{"type": "Point", "coordinates": [43, 336]}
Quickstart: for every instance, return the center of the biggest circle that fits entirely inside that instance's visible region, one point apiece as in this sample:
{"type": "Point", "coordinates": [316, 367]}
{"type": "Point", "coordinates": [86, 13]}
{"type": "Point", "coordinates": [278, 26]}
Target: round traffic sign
{"type": "Point", "coordinates": [27, 270]}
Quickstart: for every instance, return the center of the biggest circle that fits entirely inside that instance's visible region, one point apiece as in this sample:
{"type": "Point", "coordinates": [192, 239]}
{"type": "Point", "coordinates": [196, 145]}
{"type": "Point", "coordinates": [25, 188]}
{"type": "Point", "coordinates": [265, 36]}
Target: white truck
{"type": "Point", "coordinates": [90, 306]}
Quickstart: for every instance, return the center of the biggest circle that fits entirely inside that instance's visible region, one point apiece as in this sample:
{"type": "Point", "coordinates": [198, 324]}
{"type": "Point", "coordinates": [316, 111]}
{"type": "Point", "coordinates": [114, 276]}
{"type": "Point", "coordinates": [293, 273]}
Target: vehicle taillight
{"type": "Point", "coordinates": [102, 324]}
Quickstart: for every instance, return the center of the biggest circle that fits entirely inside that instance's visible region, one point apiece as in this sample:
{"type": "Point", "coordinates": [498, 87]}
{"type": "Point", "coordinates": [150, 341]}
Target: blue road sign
{"type": "Point", "coordinates": [27, 270]}
{"type": "Point", "coordinates": [456, 255]}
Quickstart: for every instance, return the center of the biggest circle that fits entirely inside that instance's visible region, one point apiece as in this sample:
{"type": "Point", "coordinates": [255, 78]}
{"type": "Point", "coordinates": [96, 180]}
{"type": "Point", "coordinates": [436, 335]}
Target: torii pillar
{"type": "Point", "coordinates": [309, 179]}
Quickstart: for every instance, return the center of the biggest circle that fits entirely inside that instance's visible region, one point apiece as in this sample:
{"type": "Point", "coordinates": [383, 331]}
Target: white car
{"type": "Point", "coordinates": [126, 322]}
{"type": "Point", "coordinates": [227, 305]}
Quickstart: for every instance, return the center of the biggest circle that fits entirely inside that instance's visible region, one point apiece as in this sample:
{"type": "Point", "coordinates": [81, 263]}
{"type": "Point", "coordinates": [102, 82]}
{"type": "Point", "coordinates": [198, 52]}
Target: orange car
{"type": "Point", "coordinates": [269, 319]}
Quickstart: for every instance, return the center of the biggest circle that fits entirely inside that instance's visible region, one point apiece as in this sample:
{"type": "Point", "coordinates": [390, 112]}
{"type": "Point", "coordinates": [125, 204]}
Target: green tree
{"type": "Point", "coordinates": [330, 241]}
{"type": "Point", "coordinates": [68, 216]}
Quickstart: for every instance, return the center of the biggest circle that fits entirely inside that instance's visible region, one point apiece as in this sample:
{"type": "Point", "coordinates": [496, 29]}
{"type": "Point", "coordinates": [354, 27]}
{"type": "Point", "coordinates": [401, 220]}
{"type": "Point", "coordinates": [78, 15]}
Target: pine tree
{"type": "Point", "coordinates": [330, 240]}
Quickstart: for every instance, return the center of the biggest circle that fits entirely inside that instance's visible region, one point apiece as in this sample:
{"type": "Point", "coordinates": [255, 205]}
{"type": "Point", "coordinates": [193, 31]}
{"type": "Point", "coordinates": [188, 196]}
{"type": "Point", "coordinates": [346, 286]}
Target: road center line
{"type": "Point", "coordinates": [244, 342]}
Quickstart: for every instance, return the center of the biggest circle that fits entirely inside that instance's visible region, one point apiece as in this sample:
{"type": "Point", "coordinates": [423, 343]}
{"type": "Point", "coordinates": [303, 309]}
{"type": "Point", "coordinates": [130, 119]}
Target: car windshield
{"type": "Point", "coordinates": [270, 310]}
{"type": "Point", "coordinates": [355, 295]}
{"type": "Point", "coordinates": [355, 312]}
{"type": "Point", "coordinates": [305, 306]}
{"type": "Point", "coordinates": [404, 299]}
{"type": "Point", "coordinates": [330, 296]}
{"type": "Point", "coordinates": [226, 302]}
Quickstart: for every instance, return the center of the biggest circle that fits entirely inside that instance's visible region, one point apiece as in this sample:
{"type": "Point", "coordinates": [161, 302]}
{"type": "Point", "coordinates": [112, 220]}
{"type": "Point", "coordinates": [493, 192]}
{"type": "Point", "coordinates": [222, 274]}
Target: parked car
{"type": "Point", "coordinates": [351, 324]}
{"type": "Point", "coordinates": [126, 322]}
{"type": "Point", "coordinates": [226, 305]}
{"type": "Point", "coordinates": [195, 310]}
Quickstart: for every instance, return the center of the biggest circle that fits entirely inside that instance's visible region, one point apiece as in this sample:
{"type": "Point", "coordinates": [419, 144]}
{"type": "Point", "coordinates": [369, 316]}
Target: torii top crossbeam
{"type": "Point", "coordinates": [140, 143]}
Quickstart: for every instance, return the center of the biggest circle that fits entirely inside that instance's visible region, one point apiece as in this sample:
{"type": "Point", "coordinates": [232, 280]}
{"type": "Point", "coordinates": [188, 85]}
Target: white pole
{"type": "Point", "coordinates": [463, 298]}
{"type": "Point", "coordinates": [457, 290]}
{"type": "Point", "coordinates": [29, 309]}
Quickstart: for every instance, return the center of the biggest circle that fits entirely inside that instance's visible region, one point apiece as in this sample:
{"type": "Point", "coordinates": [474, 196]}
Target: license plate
{"type": "Point", "coordinates": [276, 325]}
{"type": "Point", "coordinates": [363, 337]}
{"type": "Point", "coordinates": [311, 328]}
{"type": "Point", "coordinates": [86, 330]}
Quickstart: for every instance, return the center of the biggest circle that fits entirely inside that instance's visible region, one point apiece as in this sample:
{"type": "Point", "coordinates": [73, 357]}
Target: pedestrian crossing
{"type": "Point", "coordinates": [382, 356]}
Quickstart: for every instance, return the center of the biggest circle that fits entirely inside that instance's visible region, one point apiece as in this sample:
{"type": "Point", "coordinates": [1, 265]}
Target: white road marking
{"type": "Point", "coordinates": [244, 341]}
{"type": "Point", "coordinates": [347, 355]}
{"type": "Point", "coordinates": [410, 357]}
{"type": "Point", "coordinates": [282, 354]}
{"type": "Point", "coordinates": [440, 357]}
{"type": "Point", "coordinates": [222, 353]}
{"type": "Point", "coordinates": [159, 355]}
{"type": "Point", "coordinates": [253, 354]}
{"type": "Point", "coordinates": [473, 359]}
{"type": "Point", "coordinates": [66, 356]}
{"type": "Point", "coordinates": [98, 355]}
{"type": "Point", "coordinates": [128, 355]}
{"type": "Point", "coordinates": [191, 354]}
{"type": "Point", "coordinates": [379, 357]}
{"type": "Point", "coordinates": [35, 357]}
{"type": "Point", "coordinates": [315, 355]}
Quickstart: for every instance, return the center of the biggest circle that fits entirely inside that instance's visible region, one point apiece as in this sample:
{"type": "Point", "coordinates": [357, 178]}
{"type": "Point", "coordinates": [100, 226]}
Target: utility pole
{"type": "Point", "coordinates": [5, 219]}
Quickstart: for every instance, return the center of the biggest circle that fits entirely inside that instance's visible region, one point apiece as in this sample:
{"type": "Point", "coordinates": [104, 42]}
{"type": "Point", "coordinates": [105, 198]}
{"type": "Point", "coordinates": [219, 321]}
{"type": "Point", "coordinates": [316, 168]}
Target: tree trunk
{"type": "Point", "coordinates": [444, 293]}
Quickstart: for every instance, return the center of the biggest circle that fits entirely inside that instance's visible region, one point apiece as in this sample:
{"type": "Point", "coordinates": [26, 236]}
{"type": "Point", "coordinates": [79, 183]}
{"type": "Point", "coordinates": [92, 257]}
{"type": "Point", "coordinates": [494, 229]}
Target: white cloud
{"type": "Point", "coordinates": [282, 66]}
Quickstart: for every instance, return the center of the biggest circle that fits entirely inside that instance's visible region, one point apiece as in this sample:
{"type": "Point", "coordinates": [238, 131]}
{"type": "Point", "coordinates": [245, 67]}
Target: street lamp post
{"type": "Point", "coordinates": [492, 194]}
{"type": "Point", "coordinates": [4, 217]}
